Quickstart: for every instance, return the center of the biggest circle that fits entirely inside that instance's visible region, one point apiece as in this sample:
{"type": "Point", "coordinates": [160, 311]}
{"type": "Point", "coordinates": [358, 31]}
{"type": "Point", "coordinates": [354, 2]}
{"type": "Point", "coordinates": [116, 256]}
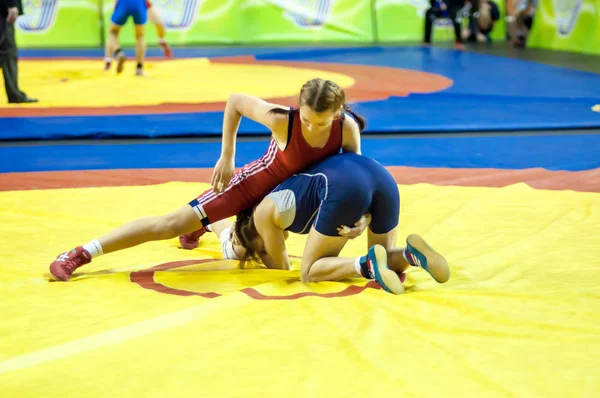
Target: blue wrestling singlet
{"type": "Point", "coordinates": [338, 191]}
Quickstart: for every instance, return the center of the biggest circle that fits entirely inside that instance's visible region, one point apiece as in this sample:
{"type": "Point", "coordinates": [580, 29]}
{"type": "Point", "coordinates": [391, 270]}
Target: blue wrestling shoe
{"type": "Point", "coordinates": [388, 279]}
{"type": "Point", "coordinates": [419, 254]}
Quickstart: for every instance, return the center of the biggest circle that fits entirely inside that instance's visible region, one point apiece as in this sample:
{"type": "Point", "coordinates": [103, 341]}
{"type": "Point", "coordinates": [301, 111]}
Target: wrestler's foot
{"type": "Point", "coordinates": [66, 263]}
{"type": "Point", "coordinates": [120, 58]}
{"type": "Point", "coordinates": [166, 49]}
{"type": "Point", "coordinates": [376, 261]}
{"type": "Point", "coordinates": [419, 254]}
{"type": "Point", "coordinates": [190, 241]}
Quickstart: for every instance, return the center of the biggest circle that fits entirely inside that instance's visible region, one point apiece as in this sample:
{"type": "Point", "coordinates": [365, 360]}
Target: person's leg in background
{"type": "Point", "coordinates": [140, 49]}
{"type": "Point", "coordinates": [527, 23]}
{"type": "Point", "coordinates": [524, 19]}
{"type": "Point", "coordinates": [430, 17]}
{"type": "Point", "coordinates": [520, 25]}
{"type": "Point", "coordinates": [10, 66]}
{"type": "Point", "coordinates": [469, 34]}
{"type": "Point", "coordinates": [485, 23]}
{"type": "Point", "coordinates": [489, 13]}
{"type": "Point", "coordinates": [3, 43]}
{"type": "Point", "coordinates": [113, 48]}
{"type": "Point", "coordinates": [456, 23]}
{"type": "Point", "coordinates": [161, 31]}
{"type": "Point", "coordinates": [140, 17]}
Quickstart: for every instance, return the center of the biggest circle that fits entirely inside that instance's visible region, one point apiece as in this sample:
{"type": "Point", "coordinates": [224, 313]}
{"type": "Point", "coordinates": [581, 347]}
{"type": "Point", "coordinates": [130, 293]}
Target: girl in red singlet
{"type": "Point", "coordinates": [300, 137]}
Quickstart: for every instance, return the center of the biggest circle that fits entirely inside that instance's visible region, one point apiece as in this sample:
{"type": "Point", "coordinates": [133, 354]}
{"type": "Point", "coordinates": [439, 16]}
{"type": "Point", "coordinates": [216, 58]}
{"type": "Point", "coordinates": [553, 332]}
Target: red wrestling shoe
{"type": "Point", "coordinates": [166, 49]}
{"type": "Point", "coordinates": [190, 241]}
{"type": "Point", "coordinates": [62, 268]}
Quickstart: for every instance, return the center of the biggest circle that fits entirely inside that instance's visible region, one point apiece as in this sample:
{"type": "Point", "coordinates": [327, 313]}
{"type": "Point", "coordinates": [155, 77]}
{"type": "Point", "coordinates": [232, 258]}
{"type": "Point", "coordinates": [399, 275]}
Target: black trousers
{"type": "Point", "coordinates": [433, 13]}
{"type": "Point", "coordinates": [8, 61]}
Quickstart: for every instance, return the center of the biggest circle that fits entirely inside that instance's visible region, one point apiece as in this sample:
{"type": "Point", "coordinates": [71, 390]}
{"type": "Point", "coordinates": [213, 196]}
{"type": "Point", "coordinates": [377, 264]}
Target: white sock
{"type": "Point", "coordinates": [94, 248]}
{"type": "Point", "coordinates": [108, 59]}
{"type": "Point", "coordinates": [209, 228]}
{"type": "Point", "coordinates": [357, 267]}
{"type": "Point", "coordinates": [162, 41]}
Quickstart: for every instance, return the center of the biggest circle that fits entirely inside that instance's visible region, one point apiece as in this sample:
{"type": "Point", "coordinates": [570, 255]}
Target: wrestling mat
{"type": "Point", "coordinates": [520, 316]}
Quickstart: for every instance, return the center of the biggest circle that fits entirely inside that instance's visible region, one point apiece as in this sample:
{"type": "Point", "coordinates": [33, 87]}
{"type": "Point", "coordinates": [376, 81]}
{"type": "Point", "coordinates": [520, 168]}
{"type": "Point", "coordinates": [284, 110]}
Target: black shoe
{"type": "Point", "coordinates": [25, 100]}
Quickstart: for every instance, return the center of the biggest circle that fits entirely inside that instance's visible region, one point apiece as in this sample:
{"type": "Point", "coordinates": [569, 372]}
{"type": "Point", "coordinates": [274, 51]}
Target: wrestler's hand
{"type": "Point", "coordinates": [222, 174]}
{"type": "Point", "coordinates": [358, 229]}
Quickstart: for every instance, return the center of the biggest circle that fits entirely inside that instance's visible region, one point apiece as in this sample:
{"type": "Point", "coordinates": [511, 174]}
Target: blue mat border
{"type": "Point", "coordinates": [490, 93]}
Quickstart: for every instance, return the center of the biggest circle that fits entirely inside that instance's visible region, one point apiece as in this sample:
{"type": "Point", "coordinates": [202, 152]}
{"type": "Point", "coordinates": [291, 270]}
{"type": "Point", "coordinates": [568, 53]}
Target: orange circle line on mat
{"type": "Point", "coordinates": [581, 181]}
{"type": "Point", "coordinates": [371, 83]}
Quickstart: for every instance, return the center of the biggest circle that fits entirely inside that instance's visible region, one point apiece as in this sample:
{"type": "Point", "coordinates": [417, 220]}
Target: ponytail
{"type": "Point", "coordinates": [362, 123]}
{"type": "Point", "coordinates": [246, 234]}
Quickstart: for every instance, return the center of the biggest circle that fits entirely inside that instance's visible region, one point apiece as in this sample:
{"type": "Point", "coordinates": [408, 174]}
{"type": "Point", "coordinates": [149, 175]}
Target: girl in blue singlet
{"type": "Point", "coordinates": [320, 202]}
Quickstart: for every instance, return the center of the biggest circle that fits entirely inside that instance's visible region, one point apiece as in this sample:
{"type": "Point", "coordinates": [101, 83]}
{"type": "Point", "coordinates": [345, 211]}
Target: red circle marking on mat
{"type": "Point", "coordinates": [372, 83]}
{"type": "Point", "coordinates": [145, 278]}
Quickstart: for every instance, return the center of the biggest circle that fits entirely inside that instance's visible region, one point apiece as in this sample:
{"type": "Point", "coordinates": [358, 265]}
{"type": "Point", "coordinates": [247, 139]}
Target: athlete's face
{"type": "Point", "coordinates": [258, 244]}
{"type": "Point", "coordinates": [316, 122]}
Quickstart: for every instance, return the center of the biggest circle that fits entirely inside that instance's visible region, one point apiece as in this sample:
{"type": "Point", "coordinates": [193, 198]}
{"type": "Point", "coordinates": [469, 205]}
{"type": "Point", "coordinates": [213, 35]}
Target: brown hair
{"type": "Point", "coordinates": [246, 234]}
{"type": "Point", "coordinates": [322, 95]}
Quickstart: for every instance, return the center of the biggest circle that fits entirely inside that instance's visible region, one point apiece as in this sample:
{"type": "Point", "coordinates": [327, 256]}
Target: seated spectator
{"type": "Point", "coordinates": [481, 24]}
{"type": "Point", "coordinates": [524, 13]}
{"type": "Point", "coordinates": [445, 9]}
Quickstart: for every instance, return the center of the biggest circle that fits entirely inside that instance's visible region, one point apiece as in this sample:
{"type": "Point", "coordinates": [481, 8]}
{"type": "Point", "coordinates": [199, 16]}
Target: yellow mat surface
{"type": "Point", "coordinates": [83, 83]}
{"type": "Point", "coordinates": [520, 316]}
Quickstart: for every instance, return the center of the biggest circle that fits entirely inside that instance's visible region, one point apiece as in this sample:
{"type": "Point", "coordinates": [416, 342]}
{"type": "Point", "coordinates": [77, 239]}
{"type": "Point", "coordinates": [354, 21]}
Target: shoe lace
{"type": "Point", "coordinates": [71, 262]}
